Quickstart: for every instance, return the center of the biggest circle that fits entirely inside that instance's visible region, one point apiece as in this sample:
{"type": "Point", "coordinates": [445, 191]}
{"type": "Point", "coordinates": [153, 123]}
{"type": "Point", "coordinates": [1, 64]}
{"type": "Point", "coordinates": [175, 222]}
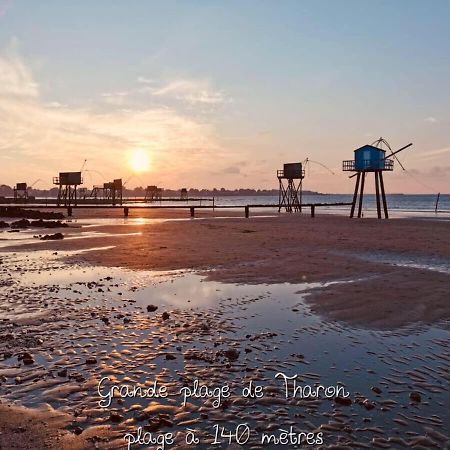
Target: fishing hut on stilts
{"type": "Point", "coordinates": [290, 179]}
{"type": "Point", "coordinates": [68, 183]}
{"type": "Point", "coordinates": [372, 158]}
{"type": "Point", "coordinates": [153, 193]}
{"type": "Point", "coordinates": [114, 191]}
{"type": "Point", "coordinates": [20, 192]}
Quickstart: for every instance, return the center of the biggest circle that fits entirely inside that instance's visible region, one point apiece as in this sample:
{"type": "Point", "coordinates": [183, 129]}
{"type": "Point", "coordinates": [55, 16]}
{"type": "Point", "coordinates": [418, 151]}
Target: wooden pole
{"type": "Point", "coordinates": [383, 196]}
{"type": "Point", "coordinates": [437, 203]}
{"type": "Point", "coordinates": [125, 211]}
{"type": "Point", "coordinates": [313, 211]}
{"type": "Point", "coordinates": [247, 211]}
{"type": "Point", "coordinates": [377, 192]}
{"type": "Point", "coordinates": [290, 192]}
{"type": "Point", "coordinates": [361, 194]}
{"type": "Point", "coordinates": [355, 195]}
{"type": "Point", "coordinates": [279, 194]}
{"type": "Point", "coordinates": [301, 194]}
{"type": "Point", "coordinates": [192, 211]}
{"type": "Point", "coordinates": [284, 198]}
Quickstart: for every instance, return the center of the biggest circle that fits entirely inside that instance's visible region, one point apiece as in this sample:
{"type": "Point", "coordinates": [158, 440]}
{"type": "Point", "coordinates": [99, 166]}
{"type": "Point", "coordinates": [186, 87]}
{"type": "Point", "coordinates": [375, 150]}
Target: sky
{"type": "Point", "coordinates": [221, 93]}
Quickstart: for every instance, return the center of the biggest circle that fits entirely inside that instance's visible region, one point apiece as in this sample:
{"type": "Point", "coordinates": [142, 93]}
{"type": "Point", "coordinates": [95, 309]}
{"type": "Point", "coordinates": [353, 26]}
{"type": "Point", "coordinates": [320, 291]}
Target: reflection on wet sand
{"type": "Point", "coordinates": [66, 326]}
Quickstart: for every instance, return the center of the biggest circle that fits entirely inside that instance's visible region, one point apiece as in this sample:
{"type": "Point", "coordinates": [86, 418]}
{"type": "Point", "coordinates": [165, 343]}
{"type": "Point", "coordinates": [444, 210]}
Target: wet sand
{"type": "Point", "coordinates": [294, 249]}
{"type": "Point", "coordinates": [362, 303]}
{"type": "Point", "coordinates": [46, 429]}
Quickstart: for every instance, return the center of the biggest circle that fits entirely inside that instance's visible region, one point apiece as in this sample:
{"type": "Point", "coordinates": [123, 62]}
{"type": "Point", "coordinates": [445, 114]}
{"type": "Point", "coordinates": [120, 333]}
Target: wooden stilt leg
{"type": "Point", "coordinates": [355, 195]}
{"type": "Point", "coordinates": [290, 199]}
{"type": "Point", "coordinates": [279, 196]}
{"type": "Point", "coordinates": [285, 201]}
{"type": "Point", "coordinates": [383, 197]}
{"type": "Point", "coordinates": [301, 195]}
{"type": "Point", "coordinates": [361, 194]}
{"type": "Point", "coordinates": [377, 192]}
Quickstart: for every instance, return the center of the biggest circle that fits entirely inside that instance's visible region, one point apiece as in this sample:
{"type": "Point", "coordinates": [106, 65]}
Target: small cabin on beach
{"type": "Point", "coordinates": [369, 158]}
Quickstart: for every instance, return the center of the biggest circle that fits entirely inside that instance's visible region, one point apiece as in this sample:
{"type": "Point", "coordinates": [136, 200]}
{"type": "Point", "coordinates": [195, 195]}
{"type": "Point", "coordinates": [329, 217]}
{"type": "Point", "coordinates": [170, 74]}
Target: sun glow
{"type": "Point", "coordinates": [139, 161]}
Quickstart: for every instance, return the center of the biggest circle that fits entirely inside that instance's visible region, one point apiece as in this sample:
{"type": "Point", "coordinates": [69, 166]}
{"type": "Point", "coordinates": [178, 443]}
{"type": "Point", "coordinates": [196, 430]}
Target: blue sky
{"type": "Point", "coordinates": [222, 93]}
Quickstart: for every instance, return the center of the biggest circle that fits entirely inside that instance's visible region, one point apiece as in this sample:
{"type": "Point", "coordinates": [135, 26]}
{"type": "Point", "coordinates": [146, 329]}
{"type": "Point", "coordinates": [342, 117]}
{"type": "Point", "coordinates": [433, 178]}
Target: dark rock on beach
{"type": "Point", "coordinates": [232, 354]}
{"type": "Point", "coordinates": [25, 223]}
{"type": "Point", "coordinates": [22, 223]}
{"type": "Point", "coordinates": [62, 373]}
{"type": "Point", "coordinates": [116, 417]}
{"type": "Point", "coordinates": [14, 211]}
{"type": "Point", "coordinates": [48, 224]}
{"type": "Point", "coordinates": [26, 358]}
{"type": "Point", "coordinates": [343, 401]}
{"type": "Point", "coordinates": [52, 237]}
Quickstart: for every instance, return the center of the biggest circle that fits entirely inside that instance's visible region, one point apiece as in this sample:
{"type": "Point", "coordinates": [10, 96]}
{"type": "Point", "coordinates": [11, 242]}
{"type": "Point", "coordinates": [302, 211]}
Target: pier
{"type": "Point", "coordinates": [128, 207]}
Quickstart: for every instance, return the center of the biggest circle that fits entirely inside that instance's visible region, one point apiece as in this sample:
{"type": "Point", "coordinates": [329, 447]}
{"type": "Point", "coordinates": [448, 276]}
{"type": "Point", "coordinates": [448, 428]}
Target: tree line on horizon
{"type": "Point", "coordinates": [8, 191]}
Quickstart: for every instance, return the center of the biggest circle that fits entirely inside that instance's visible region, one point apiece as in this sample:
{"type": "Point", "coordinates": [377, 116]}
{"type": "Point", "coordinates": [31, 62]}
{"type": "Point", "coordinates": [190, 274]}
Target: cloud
{"type": "Point", "coordinates": [144, 80]}
{"type": "Point", "coordinates": [15, 79]}
{"type": "Point", "coordinates": [430, 119]}
{"type": "Point", "coordinates": [193, 92]}
{"type": "Point", "coordinates": [45, 137]}
{"type": "Point", "coordinates": [115, 98]}
{"type": "Point", "coordinates": [233, 170]}
{"type": "Point", "coordinates": [435, 172]}
{"type": "Point", "coordinates": [179, 93]}
{"type": "Point", "coordinates": [433, 154]}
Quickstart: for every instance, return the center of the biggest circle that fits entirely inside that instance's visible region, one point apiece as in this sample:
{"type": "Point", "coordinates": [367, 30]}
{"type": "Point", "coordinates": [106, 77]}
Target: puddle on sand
{"type": "Point", "coordinates": [100, 315]}
{"type": "Point", "coordinates": [31, 235]}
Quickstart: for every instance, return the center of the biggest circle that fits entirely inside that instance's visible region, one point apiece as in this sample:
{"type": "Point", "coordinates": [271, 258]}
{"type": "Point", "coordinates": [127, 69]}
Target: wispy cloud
{"type": "Point", "coordinates": [432, 154]}
{"type": "Point", "coordinates": [433, 173]}
{"type": "Point", "coordinates": [176, 92]}
{"type": "Point", "coordinates": [232, 170]}
{"type": "Point", "coordinates": [15, 79]}
{"type": "Point", "coordinates": [193, 92]}
{"type": "Point", "coordinates": [115, 98]}
{"type": "Point", "coordinates": [430, 119]}
{"type": "Point", "coordinates": [144, 80]}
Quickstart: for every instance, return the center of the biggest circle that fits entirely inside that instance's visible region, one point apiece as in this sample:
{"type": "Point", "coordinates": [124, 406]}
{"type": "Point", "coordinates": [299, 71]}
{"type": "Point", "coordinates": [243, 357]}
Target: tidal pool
{"type": "Point", "coordinates": [81, 323]}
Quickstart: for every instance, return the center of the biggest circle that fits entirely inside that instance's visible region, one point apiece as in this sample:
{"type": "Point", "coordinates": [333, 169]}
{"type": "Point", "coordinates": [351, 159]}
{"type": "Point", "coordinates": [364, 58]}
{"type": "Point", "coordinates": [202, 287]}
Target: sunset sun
{"type": "Point", "coordinates": [139, 161]}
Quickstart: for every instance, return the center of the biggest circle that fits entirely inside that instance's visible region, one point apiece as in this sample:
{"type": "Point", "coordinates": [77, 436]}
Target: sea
{"type": "Point", "coordinates": [400, 205]}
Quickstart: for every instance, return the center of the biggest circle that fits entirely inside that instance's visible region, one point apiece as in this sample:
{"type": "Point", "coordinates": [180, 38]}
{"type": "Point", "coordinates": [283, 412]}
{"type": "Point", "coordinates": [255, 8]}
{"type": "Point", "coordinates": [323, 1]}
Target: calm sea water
{"type": "Point", "coordinates": [400, 205]}
{"type": "Point", "coordinates": [395, 201]}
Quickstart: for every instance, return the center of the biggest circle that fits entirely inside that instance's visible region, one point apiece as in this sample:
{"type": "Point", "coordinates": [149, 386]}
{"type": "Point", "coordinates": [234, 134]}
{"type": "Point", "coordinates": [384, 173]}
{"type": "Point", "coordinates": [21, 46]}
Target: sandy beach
{"type": "Point", "coordinates": [167, 298]}
{"type": "Point", "coordinates": [393, 283]}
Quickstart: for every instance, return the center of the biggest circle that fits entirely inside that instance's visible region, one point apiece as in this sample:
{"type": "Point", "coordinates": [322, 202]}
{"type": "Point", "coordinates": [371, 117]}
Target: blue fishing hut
{"type": "Point", "coordinates": [371, 158]}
